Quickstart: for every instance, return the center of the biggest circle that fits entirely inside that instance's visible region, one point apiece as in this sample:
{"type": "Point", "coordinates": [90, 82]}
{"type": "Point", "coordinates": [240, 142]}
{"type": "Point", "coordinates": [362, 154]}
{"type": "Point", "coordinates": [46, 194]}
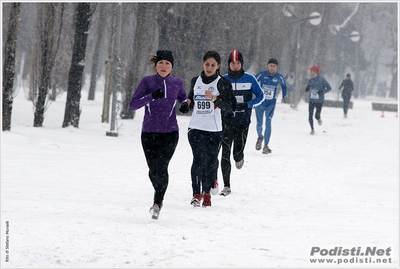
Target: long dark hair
{"type": "Point", "coordinates": [212, 54]}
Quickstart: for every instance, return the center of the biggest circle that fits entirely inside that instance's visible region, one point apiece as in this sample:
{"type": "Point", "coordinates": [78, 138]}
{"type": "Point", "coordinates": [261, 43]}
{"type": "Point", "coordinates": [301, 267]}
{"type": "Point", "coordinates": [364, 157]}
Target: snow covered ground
{"type": "Point", "coordinates": [78, 198]}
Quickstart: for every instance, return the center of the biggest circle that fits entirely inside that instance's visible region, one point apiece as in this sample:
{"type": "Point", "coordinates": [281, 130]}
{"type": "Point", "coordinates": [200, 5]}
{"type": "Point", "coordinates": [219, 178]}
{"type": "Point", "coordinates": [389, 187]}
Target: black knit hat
{"type": "Point", "coordinates": [273, 61]}
{"type": "Point", "coordinates": [234, 56]}
{"type": "Point", "coordinates": [165, 55]}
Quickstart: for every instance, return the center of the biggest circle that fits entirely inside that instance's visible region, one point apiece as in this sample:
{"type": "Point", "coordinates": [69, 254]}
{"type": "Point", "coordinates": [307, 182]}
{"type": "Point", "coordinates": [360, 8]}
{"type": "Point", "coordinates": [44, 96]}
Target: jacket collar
{"type": "Point", "coordinates": [235, 74]}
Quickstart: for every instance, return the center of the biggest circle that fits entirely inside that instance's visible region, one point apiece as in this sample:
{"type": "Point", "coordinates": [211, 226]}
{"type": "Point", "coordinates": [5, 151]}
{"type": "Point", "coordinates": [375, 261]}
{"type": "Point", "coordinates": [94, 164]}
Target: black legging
{"type": "Point", "coordinates": [205, 148]}
{"type": "Point", "coordinates": [318, 108]}
{"type": "Point", "coordinates": [236, 134]}
{"type": "Point", "coordinates": [158, 149]}
{"type": "Point", "coordinates": [346, 102]}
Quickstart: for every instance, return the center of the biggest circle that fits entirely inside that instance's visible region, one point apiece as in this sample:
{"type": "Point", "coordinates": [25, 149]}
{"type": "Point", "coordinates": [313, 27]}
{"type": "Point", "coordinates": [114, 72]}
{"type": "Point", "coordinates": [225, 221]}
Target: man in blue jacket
{"type": "Point", "coordinates": [269, 80]}
{"type": "Point", "coordinates": [248, 94]}
{"type": "Point", "coordinates": [317, 86]}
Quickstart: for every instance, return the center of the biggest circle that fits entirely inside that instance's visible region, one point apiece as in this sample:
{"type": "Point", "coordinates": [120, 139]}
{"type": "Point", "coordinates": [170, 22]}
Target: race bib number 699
{"type": "Point", "coordinates": [203, 105]}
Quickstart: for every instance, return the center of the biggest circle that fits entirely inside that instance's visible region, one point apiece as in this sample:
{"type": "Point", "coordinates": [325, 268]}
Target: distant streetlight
{"type": "Point", "coordinates": [354, 36]}
{"type": "Point", "coordinates": [315, 19]}
{"type": "Point", "coordinates": [335, 30]}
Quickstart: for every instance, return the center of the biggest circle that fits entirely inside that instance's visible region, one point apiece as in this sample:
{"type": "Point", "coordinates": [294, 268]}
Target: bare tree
{"type": "Point", "coordinates": [72, 109]}
{"type": "Point", "coordinates": [95, 59]}
{"type": "Point", "coordinates": [9, 65]}
{"type": "Point", "coordinates": [128, 30]}
{"type": "Point", "coordinates": [109, 66]}
{"type": "Point", "coordinates": [59, 74]}
{"type": "Point", "coordinates": [146, 40]}
{"type": "Point", "coordinates": [49, 32]}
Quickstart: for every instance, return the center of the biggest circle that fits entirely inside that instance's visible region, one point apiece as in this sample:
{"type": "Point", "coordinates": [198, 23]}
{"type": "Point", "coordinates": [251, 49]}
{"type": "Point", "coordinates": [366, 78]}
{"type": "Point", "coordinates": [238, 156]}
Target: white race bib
{"type": "Point", "coordinates": [268, 92]}
{"type": "Point", "coordinates": [314, 94]}
{"type": "Point", "coordinates": [239, 99]}
{"type": "Point", "coordinates": [204, 106]}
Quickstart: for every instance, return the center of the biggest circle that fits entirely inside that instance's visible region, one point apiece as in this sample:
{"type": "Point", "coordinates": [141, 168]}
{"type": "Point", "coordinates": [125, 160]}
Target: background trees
{"type": "Point", "coordinates": [259, 30]}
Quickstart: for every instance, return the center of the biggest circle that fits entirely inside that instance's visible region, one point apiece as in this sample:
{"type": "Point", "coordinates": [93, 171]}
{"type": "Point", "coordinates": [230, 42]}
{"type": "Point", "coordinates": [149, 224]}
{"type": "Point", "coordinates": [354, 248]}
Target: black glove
{"type": "Point", "coordinates": [184, 108]}
{"type": "Point", "coordinates": [320, 92]}
{"type": "Point", "coordinates": [241, 106]}
{"type": "Point", "coordinates": [158, 94]}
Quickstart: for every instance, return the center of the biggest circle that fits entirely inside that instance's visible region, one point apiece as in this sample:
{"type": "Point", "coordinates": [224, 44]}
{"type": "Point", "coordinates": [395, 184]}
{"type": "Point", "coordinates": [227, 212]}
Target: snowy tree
{"type": "Point", "coordinates": [49, 31]}
{"type": "Point", "coordinates": [9, 65]}
{"type": "Point", "coordinates": [102, 19]}
{"type": "Point", "coordinates": [72, 107]}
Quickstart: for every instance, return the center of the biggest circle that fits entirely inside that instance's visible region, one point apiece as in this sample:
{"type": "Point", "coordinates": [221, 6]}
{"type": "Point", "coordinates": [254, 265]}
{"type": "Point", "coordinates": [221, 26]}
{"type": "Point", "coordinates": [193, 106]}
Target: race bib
{"type": "Point", "coordinates": [314, 94]}
{"type": "Point", "coordinates": [268, 92]}
{"type": "Point", "coordinates": [239, 99]}
{"type": "Point", "coordinates": [204, 106]}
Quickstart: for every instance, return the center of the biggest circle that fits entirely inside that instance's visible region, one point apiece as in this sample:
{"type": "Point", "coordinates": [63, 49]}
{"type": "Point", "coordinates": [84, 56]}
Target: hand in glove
{"type": "Point", "coordinates": [241, 106]}
{"type": "Point", "coordinates": [320, 92]}
{"type": "Point", "coordinates": [184, 108]}
{"type": "Point", "coordinates": [158, 94]}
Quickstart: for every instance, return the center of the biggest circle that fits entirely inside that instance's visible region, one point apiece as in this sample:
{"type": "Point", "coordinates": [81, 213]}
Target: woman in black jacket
{"type": "Point", "coordinates": [211, 98]}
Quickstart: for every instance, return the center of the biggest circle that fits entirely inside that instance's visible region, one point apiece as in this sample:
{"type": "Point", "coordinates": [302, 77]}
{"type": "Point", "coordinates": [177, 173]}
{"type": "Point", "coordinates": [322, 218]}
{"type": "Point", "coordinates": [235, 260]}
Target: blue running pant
{"type": "Point", "coordinates": [268, 111]}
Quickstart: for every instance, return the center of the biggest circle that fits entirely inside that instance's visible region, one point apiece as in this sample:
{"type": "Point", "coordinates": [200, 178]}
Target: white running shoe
{"type": "Point", "coordinates": [154, 211]}
{"type": "Point", "coordinates": [226, 191]}
{"type": "Point", "coordinates": [239, 164]}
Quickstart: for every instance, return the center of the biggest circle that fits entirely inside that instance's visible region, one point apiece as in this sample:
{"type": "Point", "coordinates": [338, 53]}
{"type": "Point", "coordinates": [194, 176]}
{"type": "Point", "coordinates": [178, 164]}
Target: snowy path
{"type": "Point", "coordinates": [78, 198]}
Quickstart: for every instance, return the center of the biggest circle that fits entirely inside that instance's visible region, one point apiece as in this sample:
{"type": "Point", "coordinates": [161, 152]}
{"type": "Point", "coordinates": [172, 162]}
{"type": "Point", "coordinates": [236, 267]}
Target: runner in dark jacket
{"type": "Point", "coordinates": [317, 86]}
{"type": "Point", "coordinates": [347, 86]}
{"type": "Point", "coordinates": [211, 98]}
{"type": "Point", "coordinates": [248, 94]}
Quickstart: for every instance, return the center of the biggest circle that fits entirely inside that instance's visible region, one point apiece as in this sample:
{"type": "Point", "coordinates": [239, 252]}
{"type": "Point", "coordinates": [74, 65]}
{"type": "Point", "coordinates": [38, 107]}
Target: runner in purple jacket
{"type": "Point", "coordinates": [158, 93]}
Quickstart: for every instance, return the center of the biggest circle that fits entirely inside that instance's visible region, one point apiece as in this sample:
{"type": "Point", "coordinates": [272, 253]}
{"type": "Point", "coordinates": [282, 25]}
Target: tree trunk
{"type": "Point", "coordinates": [129, 28]}
{"type": "Point", "coordinates": [145, 42]}
{"type": "Point", "coordinates": [109, 66]}
{"type": "Point", "coordinates": [9, 65]}
{"type": "Point", "coordinates": [49, 31]}
{"type": "Point", "coordinates": [126, 112]}
{"type": "Point", "coordinates": [96, 52]}
{"type": "Point", "coordinates": [72, 109]}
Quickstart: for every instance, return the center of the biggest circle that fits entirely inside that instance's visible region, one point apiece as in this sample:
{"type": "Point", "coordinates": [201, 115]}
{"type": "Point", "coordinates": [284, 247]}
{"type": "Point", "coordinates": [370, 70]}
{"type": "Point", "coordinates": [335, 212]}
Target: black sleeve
{"type": "Point", "coordinates": [226, 98]}
{"type": "Point", "coordinates": [191, 92]}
